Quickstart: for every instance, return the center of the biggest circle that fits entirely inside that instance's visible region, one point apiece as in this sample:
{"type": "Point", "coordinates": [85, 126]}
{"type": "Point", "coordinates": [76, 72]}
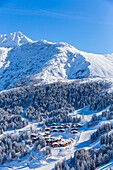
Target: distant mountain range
{"type": "Point", "coordinates": [23, 61]}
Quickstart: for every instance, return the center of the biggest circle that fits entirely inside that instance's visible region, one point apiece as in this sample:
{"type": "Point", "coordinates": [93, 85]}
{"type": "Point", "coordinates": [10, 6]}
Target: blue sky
{"type": "Point", "coordinates": [86, 24]}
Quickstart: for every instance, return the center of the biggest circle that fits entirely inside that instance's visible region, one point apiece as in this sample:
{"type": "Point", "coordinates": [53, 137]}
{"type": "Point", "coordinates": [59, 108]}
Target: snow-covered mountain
{"type": "Point", "coordinates": [52, 123]}
{"type": "Point", "coordinates": [13, 39]}
{"type": "Point", "coordinates": [46, 62]}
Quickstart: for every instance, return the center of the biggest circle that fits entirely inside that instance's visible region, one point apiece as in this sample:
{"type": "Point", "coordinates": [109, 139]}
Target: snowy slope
{"type": "Point", "coordinates": [47, 62]}
{"type": "Point", "coordinates": [3, 55]}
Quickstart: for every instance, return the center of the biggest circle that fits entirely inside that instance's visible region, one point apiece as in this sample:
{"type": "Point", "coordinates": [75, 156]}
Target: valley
{"type": "Point", "coordinates": [56, 106]}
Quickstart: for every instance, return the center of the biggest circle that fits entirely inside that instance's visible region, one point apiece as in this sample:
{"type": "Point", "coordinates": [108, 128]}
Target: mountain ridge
{"type": "Point", "coordinates": [46, 62]}
{"type": "Point", "coordinates": [13, 39]}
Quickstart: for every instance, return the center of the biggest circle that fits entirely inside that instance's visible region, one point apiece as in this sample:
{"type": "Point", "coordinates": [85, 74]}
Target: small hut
{"type": "Point", "coordinates": [62, 144]}
{"type": "Point", "coordinates": [74, 131]}
{"type": "Point", "coordinates": [61, 130]}
{"type": "Point", "coordinates": [33, 135]}
{"type": "Point", "coordinates": [48, 141]}
{"type": "Point", "coordinates": [47, 129]}
{"type": "Point", "coordinates": [55, 144]}
{"type": "Point", "coordinates": [54, 130]}
{"type": "Point", "coordinates": [46, 134]}
{"type": "Point", "coordinates": [60, 127]}
{"type": "Point", "coordinates": [53, 127]}
{"type": "Point", "coordinates": [53, 124]}
{"type": "Point", "coordinates": [74, 128]}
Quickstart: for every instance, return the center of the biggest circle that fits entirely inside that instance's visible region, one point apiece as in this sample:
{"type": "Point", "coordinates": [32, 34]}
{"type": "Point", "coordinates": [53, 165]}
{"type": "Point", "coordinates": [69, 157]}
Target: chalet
{"type": "Point", "coordinates": [74, 131]}
{"type": "Point", "coordinates": [63, 144]}
{"type": "Point", "coordinates": [68, 124]}
{"type": "Point", "coordinates": [54, 130]}
{"type": "Point", "coordinates": [57, 139]}
{"type": "Point", "coordinates": [35, 139]}
{"type": "Point", "coordinates": [53, 139]}
{"type": "Point", "coordinates": [53, 124]}
{"type": "Point", "coordinates": [48, 142]}
{"type": "Point", "coordinates": [33, 135]}
{"type": "Point", "coordinates": [60, 127]}
{"type": "Point", "coordinates": [46, 134]}
{"type": "Point", "coordinates": [47, 129]}
{"type": "Point", "coordinates": [55, 144]}
{"type": "Point", "coordinates": [74, 128]}
{"type": "Point", "coordinates": [61, 130]}
{"type": "Point", "coordinates": [47, 138]}
{"type": "Point", "coordinates": [53, 127]}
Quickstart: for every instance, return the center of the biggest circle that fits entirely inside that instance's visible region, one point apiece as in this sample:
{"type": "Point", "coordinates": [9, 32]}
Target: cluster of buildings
{"type": "Point", "coordinates": [72, 128]}
{"type": "Point", "coordinates": [62, 128]}
{"type": "Point", "coordinates": [57, 141]}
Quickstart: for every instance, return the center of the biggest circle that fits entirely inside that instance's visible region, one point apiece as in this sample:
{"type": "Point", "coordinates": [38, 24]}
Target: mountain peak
{"type": "Point", "coordinates": [13, 39]}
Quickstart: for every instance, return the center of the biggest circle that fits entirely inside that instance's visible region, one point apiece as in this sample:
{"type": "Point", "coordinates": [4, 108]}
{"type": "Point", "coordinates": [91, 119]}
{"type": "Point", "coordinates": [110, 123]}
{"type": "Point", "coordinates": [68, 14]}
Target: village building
{"type": "Point", "coordinates": [74, 131]}
{"type": "Point", "coordinates": [34, 135]}
{"type": "Point", "coordinates": [74, 128]}
{"type": "Point", "coordinates": [54, 130]}
{"type": "Point", "coordinates": [47, 129]}
{"type": "Point", "coordinates": [61, 130]}
{"type": "Point", "coordinates": [63, 144]}
{"type": "Point", "coordinates": [53, 127]}
{"type": "Point", "coordinates": [53, 124]}
{"type": "Point", "coordinates": [55, 144]}
{"type": "Point", "coordinates": [60, 127]}
{"type": "Point", "coordinates": [48, 141]}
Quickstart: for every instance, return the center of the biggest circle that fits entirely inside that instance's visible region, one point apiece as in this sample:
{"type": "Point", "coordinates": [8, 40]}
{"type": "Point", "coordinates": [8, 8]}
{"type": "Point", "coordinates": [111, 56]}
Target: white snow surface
{"type": "Point", "coordinates": [3, 55]}
{"type": "Point", "coordinates": [13, 39]}
{"type": "Point", "coordinates": [47, 62]}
